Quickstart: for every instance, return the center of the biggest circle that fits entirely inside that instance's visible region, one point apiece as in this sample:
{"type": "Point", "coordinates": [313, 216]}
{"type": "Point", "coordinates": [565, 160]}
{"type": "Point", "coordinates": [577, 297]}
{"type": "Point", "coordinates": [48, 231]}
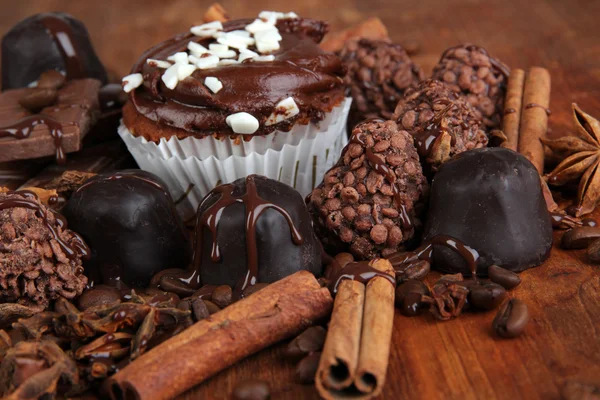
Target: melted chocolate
{"type": "Point", "coordinates": [533, 105]}
{"type": "Point", "coordinates": [361, 271]}
{"type": "Point", "coordinates": [425, 252]}
{"type": "Point", "coordinates": [29, 200]}
{"type": "Point", "coordinates": [62, 34]}
{"type": "Point", "coordinates": [300, 70]}
{"type": "Point", "coordinates": [23, 128]}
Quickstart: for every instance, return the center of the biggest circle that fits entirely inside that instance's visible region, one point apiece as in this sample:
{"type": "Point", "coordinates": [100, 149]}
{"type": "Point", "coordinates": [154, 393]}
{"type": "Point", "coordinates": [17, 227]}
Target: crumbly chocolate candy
{"type": "Point", "coordinates": [366, 202]}
{"type": "Point", "coordinates": [40, 260]}
{"type": "Point", "coordinates": [442, 123]}
{"type": "Point", "coordinates": [379, 72]}
{"type": "Point", "coordinates": [481, 79]}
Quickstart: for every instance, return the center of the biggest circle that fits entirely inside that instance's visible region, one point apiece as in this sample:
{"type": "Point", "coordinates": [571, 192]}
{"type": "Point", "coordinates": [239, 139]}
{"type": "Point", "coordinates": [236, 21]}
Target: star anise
{"type": "Point", "coordinates": [581, 162]}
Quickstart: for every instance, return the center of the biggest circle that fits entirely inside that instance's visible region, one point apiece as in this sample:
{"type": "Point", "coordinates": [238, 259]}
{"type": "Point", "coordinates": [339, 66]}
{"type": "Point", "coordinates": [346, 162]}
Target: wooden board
{"type": "Point", "coordinates": [429, 360]}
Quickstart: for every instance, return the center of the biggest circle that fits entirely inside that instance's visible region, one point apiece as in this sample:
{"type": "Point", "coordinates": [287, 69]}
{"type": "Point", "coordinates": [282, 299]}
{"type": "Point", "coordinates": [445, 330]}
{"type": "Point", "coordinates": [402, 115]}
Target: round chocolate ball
{"type": "Point", "coordinates": [263, 234]}
{"type": "Point", "coordinates": [490, 199]}
{"type": "Point", "coordinates": [130, 223]}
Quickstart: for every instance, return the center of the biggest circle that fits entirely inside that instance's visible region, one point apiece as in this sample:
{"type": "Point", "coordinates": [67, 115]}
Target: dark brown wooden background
{"type": "Point", "coordinates": [429, 360]}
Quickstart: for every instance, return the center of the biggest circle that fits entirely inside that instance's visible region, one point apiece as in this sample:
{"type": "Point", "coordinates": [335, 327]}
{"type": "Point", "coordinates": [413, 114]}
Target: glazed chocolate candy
{"type": "Point", "coordinates": [490, 199]}
{"type": "Point", "coordinates": [45, 42]}
{"type": "Point", "coordinates": [129, 221]}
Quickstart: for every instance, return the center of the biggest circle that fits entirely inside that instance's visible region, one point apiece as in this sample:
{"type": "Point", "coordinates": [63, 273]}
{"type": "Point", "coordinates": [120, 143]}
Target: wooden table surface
{"type": "Point", "coordinates": [458, 359]}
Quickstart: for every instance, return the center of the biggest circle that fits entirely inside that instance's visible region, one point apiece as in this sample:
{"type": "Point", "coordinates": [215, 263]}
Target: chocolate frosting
{"type": "Point", "coordinates": [301, 70]}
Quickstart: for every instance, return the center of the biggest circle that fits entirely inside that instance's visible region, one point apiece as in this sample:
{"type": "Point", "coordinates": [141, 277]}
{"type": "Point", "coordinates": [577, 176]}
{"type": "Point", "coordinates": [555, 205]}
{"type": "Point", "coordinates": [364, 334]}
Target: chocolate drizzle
{"type": "Point", "coordinates": [432, 130]}
{"type": "Point", "coordinates": [425, 252]}
{"type": "Point", "coordinates": [361, 271]}
{"type": "Point", "coordinates": [23, 128]}
{"type": "Point", "coordinates": [209, 219]}
{"type": "Point", "coordinates": [29, 200]}
{"type": "Point", "coordinates": [63, 37]}
{"type": "Point", "coordinates": [533, 105]}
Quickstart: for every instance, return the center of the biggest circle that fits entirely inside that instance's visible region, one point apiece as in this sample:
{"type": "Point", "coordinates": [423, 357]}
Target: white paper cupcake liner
{"type": "Point", "coordinates": [189, 179]}
{"type": "Point", "coordinates": [207, 147]}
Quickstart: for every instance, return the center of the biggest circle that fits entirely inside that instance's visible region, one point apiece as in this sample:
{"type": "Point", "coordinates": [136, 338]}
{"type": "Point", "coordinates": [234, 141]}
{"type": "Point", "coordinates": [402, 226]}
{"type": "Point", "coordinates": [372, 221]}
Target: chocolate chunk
{"type": "Point", "coordinates": [261, 231]}
{"type": "Point", "coordinates": [442, 123]}
{"type": "Point", "coordinates": [129, 221]}
{"type": "Point", "coordinates": [49, 41]}
{"type": "Point", "coordinates": [491, 199]}
{"type": "Point", "coordinates": [480, 79]}
{"type": "Point", "coordinates": [57, 130]}
{"type": "Point", "coordinates": [379, 72]}
{"type": "Point", "coordinates": [367, 203]}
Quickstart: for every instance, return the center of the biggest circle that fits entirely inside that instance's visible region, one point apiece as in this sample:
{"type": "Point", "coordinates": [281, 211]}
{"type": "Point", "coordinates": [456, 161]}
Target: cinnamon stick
{"type": "Point", "coordinates": [216, 12]}
{"type": "Point", "coordinates": [372, 28]}
{"type": "Point", "coordinates": [534, 116]}
{"type": "Point", "coordinates": [356, 352]}
{"type": "Point", "coordinates": [512, 109]}
{"type": "Point", "coordinates": [270, 315]}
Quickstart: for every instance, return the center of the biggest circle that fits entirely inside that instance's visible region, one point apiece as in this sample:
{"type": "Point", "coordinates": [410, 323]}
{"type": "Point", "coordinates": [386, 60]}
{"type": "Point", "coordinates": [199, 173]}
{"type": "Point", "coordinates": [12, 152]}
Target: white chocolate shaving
{"type": "Point", "coordinates": [285, 109]}
{"type": "Point", "coordinates": [242, 123]}
{"type": "Point", "coordinates": [214, 84]}
{"type": "Point", "coordinates": [131, 82]}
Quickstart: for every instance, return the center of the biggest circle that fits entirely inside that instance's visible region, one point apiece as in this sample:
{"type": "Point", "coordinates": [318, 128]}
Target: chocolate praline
{"type": "Point", "coordinates": [490, 199]}
{"type": "Point", "coordinates": [48, 41]}
{"type": "Point", "coordinates": [272, 211]}
{"type": "Point", "coordinates": [130, 223]}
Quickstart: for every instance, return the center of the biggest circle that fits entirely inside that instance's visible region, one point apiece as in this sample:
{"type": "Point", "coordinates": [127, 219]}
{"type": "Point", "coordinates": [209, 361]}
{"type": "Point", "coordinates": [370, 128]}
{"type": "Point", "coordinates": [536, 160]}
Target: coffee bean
{"type": "Point", "coordinates": [212, 307]}
{"type": "Point", "coordinates": [593, 251]}
{"type": "Point", "coordinates": [309, 341]}
{"type": "Point", "coordinates": [99, 295]}
{"type": "Point", "coordinates": [38, 98]}
{"type": "Point", "coordinates": [251, 390]}
{"type": "Point", "coordinates": [169, 284]}
{"type": "Point", "coordinates": [254, 288]}
{"type": "Point", "coordinates": [185, 305]}
{"type": "Point", "coordinates": [306, 370]}
{"type": "Point", "coordinates": [511, 319]}
{"type": "Point", "coordinates": [409, 297]}
{"type": "Point", "coordinates": [580, 238]}
{"type": "Point", "coordinates": [221, 296]}
{"type": "Point", "coordinates": [51, 79]}
{"type": "Point", "coordinates": [199, 309]}
{"type": "Point", "coordinates": [487, 296]}
{"type": "Point", "coordinates": [417, 269]}
{"type": "Point", "coordinates": [504, 277]}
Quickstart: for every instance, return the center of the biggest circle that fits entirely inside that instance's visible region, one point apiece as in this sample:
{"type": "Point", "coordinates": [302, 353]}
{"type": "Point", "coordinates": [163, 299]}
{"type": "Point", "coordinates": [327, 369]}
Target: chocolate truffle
{"type": "Point", "coordinates": [367, 202]}
{"type": "Point", "coordinates": [255, 229]}
{"type": "Point", "coordinates": [442, 123]}
{"type": "Point", "coordinates": [379, 72]}
{"type": "Point", "coordinates": [490, 199]}
{"type": "Point", "coordinates": [480, 79]}
{"type": "Point", "coordinates": [40, 259]}
{"type": "Point", "coordinates": [130, 223]}
{"type": "Point", "coordinates": [49, 41]}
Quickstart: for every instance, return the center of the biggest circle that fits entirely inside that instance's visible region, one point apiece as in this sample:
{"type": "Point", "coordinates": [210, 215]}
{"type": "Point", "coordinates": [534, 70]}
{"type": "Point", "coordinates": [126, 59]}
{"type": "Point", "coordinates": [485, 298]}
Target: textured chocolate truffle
{"type": "Point", "coordinates": [366, 202]}
{"type": "Point", "coordinates": [442, 123]}
{"type": "Point", "coordinates": [255, 229]}
{"type": "Point", "coordinates": [490, 199]}
{"type": "Point", "coordinates": [45, 42]}
{"type": "Point", "coordinates": [40, 259]}
{"type": "Point", "coordinates": [130, 223]}
{"type": "Point", "coordinates": [379, 72]}
{"type": "Point", "coordinates": [471, 72]}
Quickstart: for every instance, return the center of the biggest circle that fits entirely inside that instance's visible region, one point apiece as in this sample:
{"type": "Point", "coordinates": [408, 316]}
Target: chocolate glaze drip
{"type": "Point", "coordinates": [509, 111]}
{"type": "Point", "coordinates": [28, 200]}
{"type": "Point", "coordinates": [532, 105]}
{"type": "Point", "coordinates": [361, 271]}
{"type": "Point", "coordinates": [254, 206]}
{"type": "Point", "coordinates": [425, 252]}
{"type": "Point", "coordinates": [428, 134]}
{"type": "Point", "coordinates": [382, 168]}
{"type": "Point", "coordinates": [300, 70]}
{"type": "Point", "coordinates": [23, 128]}
{"type": "Point", "coordinates": [63, 37]}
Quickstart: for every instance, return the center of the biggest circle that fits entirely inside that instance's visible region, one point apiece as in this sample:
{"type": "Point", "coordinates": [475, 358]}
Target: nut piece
{"type": "Point", "coordinates": [512, 319]}
{"type": "Point", "coordinates": [379, 72]}
{"type": "Point", "coordinates": [471, 72]}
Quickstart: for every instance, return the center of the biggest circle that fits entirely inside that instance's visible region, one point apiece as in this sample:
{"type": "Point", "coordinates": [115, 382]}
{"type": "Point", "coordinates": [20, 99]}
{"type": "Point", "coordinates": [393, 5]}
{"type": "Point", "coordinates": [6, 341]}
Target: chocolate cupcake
{"type": "Point", "coordinates": [233, 98]}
